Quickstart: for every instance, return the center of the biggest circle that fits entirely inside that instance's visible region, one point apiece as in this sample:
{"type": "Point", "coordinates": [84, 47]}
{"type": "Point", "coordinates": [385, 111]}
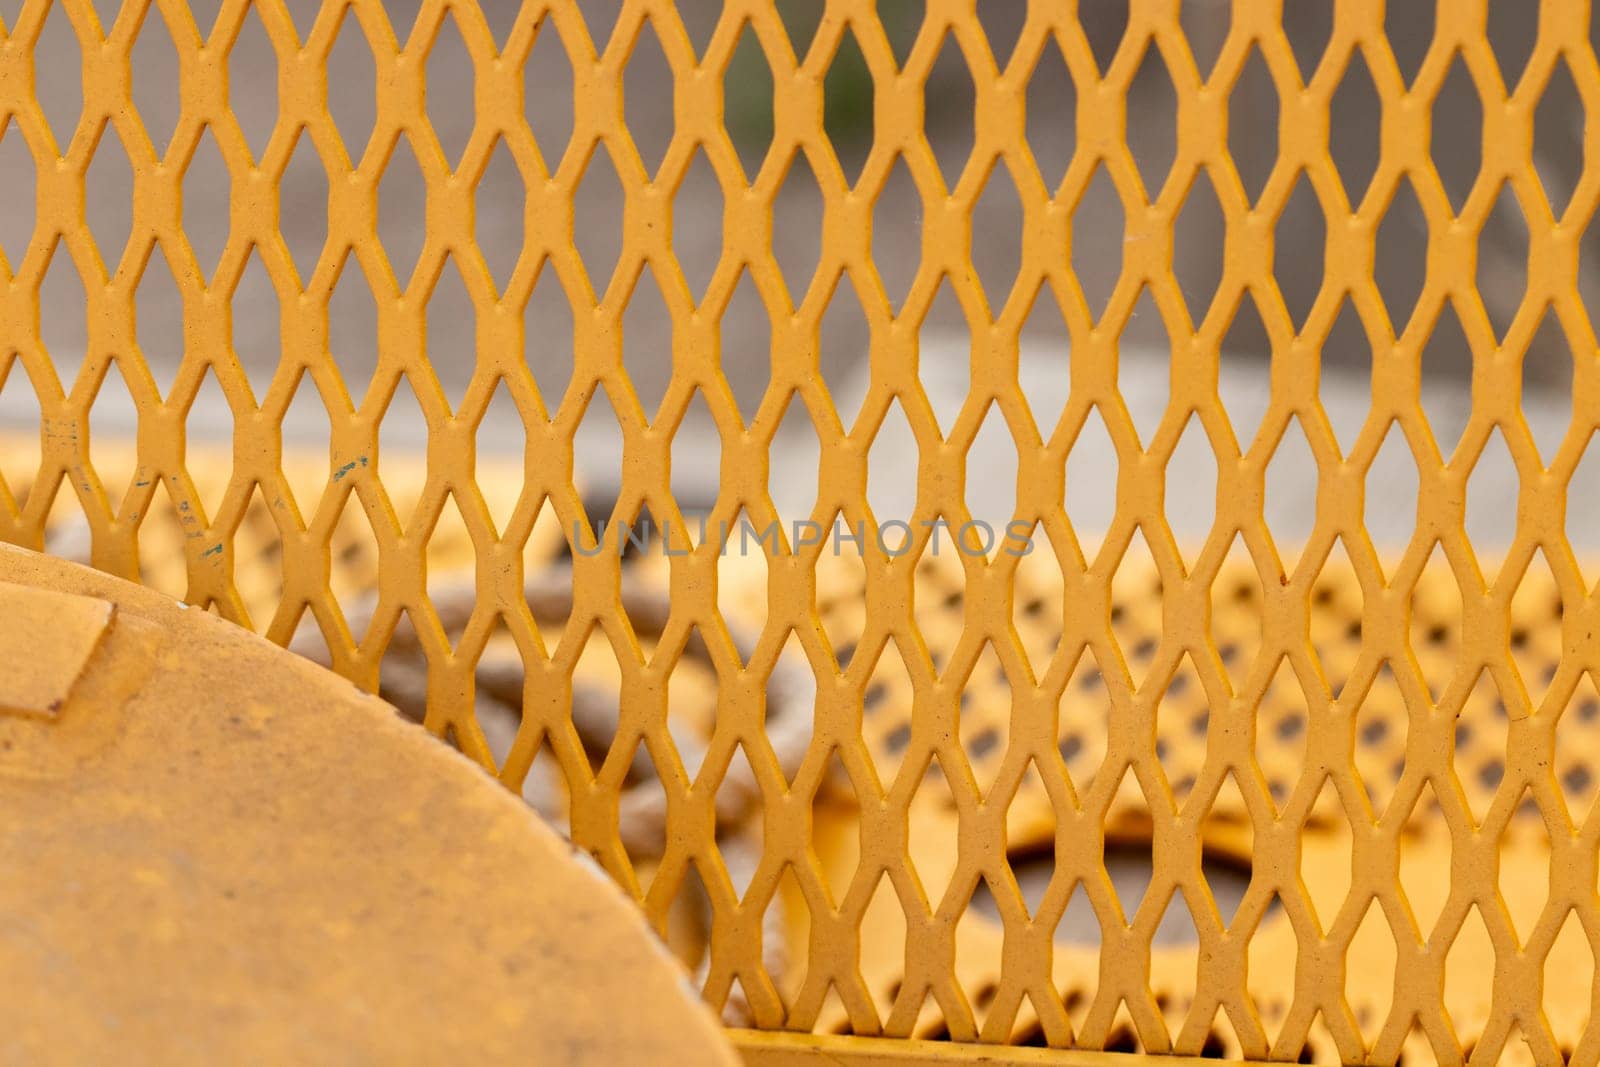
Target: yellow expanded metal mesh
{"type": "Point", "coordinates": [1107, 701]}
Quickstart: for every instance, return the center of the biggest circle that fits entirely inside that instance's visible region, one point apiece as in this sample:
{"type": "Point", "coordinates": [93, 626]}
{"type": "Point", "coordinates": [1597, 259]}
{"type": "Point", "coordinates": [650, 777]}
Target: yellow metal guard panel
{"type": "Point", "coordinates": [1126, 708]}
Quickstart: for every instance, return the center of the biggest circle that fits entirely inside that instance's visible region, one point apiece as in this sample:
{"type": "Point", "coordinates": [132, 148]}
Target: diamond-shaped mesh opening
{"type": "Point", "coordinates": [159, 325]}
{"type": "Point", "coordinates": [1037, 616]}
{"type": "Point", "coordinates": [402, 199]}
{"type": "Point", "coordinates": [1402, 250]}
{"type": "Point", "coordinates": [698, 207]}
{"type": "Point", "coordinates": [1582, 510]}
{"type": "Point", "coordinates": [997, 236]}
{"type": "Point", "coordinates": [797, 227]}
{"type": "Point", "coordinates": [63, 337]}
{"type": "Point", "coordinates": [1052, 100]}
{"type": "Point", "coordinates": [695, 466]}
{"type": "Point", "coordinates": [108, 188]}
{"type": "Point", "coordinates": [206, 188]}
{"type": "Point", "coordinates": [353, 329]}
{"type": "Point", "coordinates": [1336, 628]}
{"type": "Point", "coordinates": [355, 544]}
{"type": "Point", "coordinates": [747, 324]}
{"type": "Point", "coordinates": [1153, 140]}
{"type": "Point", "coordinates": [849, 93]}
{"type": "Point", "coordinates": [451, 328]}
{"type": "Point", "coordinates": [547, 78]}
{"type": "Point", "coordinates": [257, 324]}
{"type": "Point", "coordinates": [404, 430]}
{"type": "Point", "coordinates": [1096, 252]}
{"type": "Point", "coordinates": [1457, 142]}
{"type": "Point", "coordinates": [1328, 872]}
{"type": "Point", "coordinates": [1503, 261]}
{"type": "Point", "coordinates": [897, 213]}
{"type": "Point", "coordinates": [1301, 238]}
{"type": "Point", "coordinates": [1409, 29]}
{"type": "Point", "coordinates": [1197, 239]}
{"type": "Point", "coordinates": [1102, 29]}
{"type": "Point", "coordinates": [1145, 341]}
{"type": "Point", "coordinates": [1558, 153]}
{"type": "Point", "coordinates": [162, 544]}
{"type": "Point", "coordinates": [1355, 114]}
{"type": "Point", "coordinates": [1044, 361]}
{"type": "Point", "coordinates": [1205, 28]}
{"type": "Point", "coordinates": [1512, 39]}
{"type": "Point", "coordinates": [1490, 488]}
{"type": "Point", "coordinates": [1309, 27]}
{"type": "Point", "coordinates": [1547, 379]}
{"type": "Point", "coordinates": [949, 92]}
{"type": "Point", "coordinates": [647, 342]}
{"type": "Point", "coordinates": [649, 105]}
{"type": "Point", "coordinates": [941, 597]}
{"type": "Point", "coordinates": [303, 206]}
{"type": "Point", "coordinates": [1345, 391]}
{"type": "Point", "coordinates": [19, 461]}
{"type": "Point", "coordinates": [500, 210]}
{"type": "Point", "coordinates": [1253, 125]}
{"type": "Point", "coordinates": [597, 228]}
{"type": "Point", "coordinates": [747, 92]}
{"type": "Point", "coordinates": [1192, 485]}
{"type": "Point", "coordinates": [1375, 941]}
{"type": "Point", "coordinates": [1291, 490]}
{"type": "Point", "coordinates": [991, 488]}
{"type": "Point", "coordinates": [110, 420]}
{"type": "Point", "coordinates": [548, 338]}
{"type": "Point", "coordinates": [1537, 612]}
{"type": "Point", "coordinates": [1244, 379]}
{"type": "Point", "coordinates": [1577, 771]}
{"type": "Point", "coordinates": [447, 540]}
{"type": "Point", "coordinates": [1568, 969]}
{"type": "Point", "coordinates": [946, 365]}
{"type": "Point", "coordinates": [253, 82]}
{"type": "Point", "coordinates": [1437, 623]}
{"type": "Point", "coordinates": [1481, 731]}
{"type": "Point", "coordinates": [1446, 358]}
{"type": "Point", "coordinates": [306, 416]}
{"type": "Point", "coordinates": [449, 62]}
{"type": "Point", "coordinates": [58, 85]}
{"type": "Point", "coordinates": [1136, 578]}
{"type": "Point", "coordinates": [502, 437]}
{"type": "Point", "coordinates": [353, 110]}
{"type": "Point", "coordinates": [796, 435]}
{"type": "Point", "coordinates": [1392, 491]}
{"type": "Point", "coordinates": [17, 173]}
{"type": "Point", "coordinates": [1281, 727]}
{"type": "Point", "coordinates": [1091, 481]}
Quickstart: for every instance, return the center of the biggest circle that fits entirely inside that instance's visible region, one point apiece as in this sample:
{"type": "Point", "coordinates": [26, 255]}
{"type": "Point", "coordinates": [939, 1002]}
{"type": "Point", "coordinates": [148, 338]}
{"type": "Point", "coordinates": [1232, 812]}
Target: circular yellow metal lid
{"type": "Point", "coordinates": [214, 849]}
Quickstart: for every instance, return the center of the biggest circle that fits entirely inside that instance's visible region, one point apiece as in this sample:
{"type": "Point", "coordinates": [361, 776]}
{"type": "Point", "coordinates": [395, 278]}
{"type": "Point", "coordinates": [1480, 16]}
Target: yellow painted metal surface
{"type": "Point", "coordinates": [41, 674]}
{"type": "Point", "coordinates": [1517, 905]}
{"type": "Point", "coordinates": [207, 862]}
{"type": "Point", "coordinates": [776, 1049]}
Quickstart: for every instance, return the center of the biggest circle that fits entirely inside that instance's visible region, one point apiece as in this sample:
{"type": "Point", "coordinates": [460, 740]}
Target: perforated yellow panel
{"type": "Point", "coordinates": [1121, 697]}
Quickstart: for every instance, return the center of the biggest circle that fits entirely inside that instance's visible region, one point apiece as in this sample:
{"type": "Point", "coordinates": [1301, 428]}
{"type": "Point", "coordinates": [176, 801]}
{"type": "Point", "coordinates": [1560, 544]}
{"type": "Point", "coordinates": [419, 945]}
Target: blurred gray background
{"type": "Point", "coordinates": [997, 226]}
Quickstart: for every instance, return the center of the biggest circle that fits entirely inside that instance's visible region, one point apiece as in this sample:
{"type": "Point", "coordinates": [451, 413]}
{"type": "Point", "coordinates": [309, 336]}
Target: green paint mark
{"type": "Point", "coordinates": [348, 467]}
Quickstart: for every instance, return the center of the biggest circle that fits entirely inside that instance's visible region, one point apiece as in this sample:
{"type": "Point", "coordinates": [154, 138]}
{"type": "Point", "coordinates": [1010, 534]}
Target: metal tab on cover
{"type": "Point", "coordinates": [46, 641]}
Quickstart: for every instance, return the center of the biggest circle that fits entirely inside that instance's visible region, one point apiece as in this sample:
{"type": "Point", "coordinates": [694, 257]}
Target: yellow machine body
{"type": "Point", "coordinates": [1415, 887]}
